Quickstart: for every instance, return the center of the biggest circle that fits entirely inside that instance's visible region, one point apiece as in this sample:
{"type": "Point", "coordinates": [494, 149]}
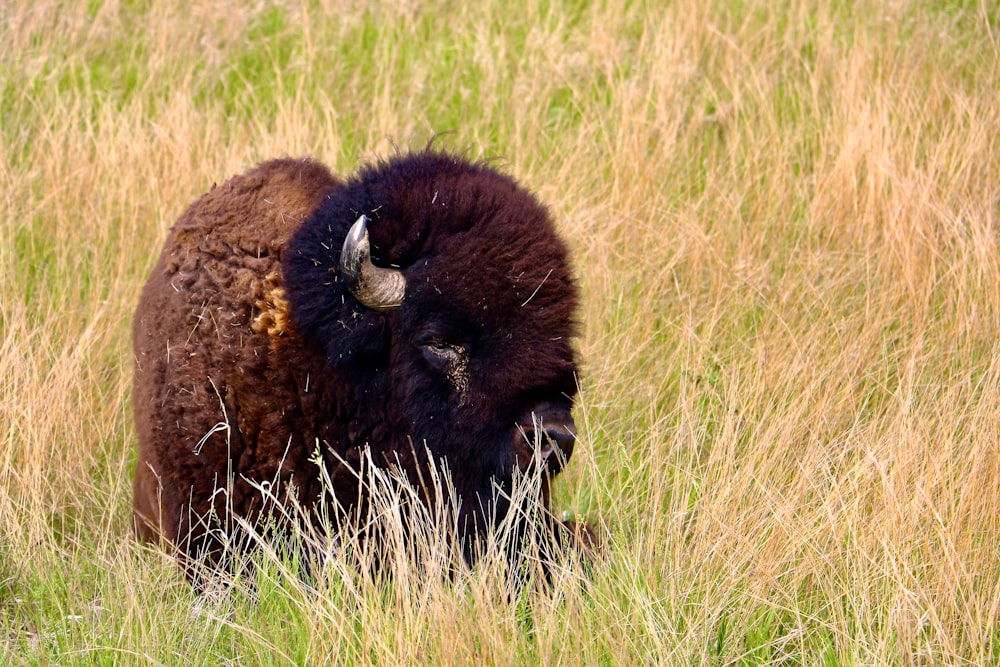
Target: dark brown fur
{"type": "Point", "coordinates": [252, 354]}
{"type": "Point", "coordinates": [200, 359]}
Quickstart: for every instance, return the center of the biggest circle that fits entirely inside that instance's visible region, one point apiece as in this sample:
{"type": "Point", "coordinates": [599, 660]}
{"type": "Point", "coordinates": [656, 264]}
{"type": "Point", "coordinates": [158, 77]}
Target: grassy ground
{"type": "Point", "coordinates": [785, 221]}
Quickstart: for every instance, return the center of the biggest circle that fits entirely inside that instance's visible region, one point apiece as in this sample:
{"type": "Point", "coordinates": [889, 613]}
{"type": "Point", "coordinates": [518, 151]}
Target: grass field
{"type": "Point", "coordinates": [785, 220]}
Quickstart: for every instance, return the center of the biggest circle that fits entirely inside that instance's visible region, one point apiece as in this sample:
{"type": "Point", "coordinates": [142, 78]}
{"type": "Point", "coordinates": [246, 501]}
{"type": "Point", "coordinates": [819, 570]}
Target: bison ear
{"type": "Point", "coordinates": [345, 331]}
{"type": "Point", "coordinates": [363, 344]}
{"type": "Point", "coordinates": [373, 286]}
{"type": "Point", "coordinates": [325, 311]}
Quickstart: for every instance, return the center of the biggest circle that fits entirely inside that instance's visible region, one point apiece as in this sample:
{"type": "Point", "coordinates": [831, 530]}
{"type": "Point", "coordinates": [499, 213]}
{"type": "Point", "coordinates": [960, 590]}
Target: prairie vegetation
{"type": "Point", "coordinates": [785, 223]}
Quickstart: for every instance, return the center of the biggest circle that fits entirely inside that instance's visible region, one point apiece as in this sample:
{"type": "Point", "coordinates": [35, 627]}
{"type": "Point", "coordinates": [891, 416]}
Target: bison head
{"type": "Point", "coordinates": [440, 291]}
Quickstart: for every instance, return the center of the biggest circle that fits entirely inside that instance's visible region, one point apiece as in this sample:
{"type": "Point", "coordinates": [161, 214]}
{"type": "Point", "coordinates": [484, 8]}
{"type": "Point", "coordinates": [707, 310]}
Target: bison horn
{"type": "Point", "coordinates": [375, 287]}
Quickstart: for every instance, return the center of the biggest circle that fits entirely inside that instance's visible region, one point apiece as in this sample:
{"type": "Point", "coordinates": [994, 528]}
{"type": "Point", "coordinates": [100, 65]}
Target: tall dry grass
{"type": "Point", "coordinates": [784, 218]}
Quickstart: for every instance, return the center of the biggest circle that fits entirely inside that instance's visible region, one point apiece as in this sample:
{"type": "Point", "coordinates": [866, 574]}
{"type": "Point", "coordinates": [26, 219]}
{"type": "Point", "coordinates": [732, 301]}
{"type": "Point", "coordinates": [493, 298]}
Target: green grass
{"type": "Point", "coordinates": [784, 217]}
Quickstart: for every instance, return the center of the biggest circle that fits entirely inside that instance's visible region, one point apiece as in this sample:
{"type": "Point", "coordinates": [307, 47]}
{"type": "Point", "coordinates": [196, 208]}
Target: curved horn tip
{"type": "Point", "coordinates": [355, 252]}
{"type": "Point", "coordinates": [375, 287]}
{"type": "Point", "coordinates": [358, 233]}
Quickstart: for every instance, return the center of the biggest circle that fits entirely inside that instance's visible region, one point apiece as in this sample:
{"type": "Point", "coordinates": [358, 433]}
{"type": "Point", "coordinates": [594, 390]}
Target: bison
{"type": "Point", "coordinates": [419, 314]}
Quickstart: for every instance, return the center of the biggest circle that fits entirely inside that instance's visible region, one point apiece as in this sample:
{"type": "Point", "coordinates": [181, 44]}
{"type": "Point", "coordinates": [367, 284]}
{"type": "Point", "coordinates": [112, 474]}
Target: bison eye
{"type": "Point", "coordinates": [441, 354]}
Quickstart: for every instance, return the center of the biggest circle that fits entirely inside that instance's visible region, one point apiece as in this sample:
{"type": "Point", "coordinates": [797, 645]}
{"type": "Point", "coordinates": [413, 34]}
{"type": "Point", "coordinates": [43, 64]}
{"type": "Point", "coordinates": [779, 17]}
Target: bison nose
{"type": "Point", "coordinates": [551, 433]}
{"type": "Point", "coordinates": [561, 439]}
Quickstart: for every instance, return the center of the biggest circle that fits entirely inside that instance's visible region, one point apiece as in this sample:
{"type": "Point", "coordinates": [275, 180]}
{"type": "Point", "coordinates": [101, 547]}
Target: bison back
{"type": "Point", "coordinates": [214, 407]}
